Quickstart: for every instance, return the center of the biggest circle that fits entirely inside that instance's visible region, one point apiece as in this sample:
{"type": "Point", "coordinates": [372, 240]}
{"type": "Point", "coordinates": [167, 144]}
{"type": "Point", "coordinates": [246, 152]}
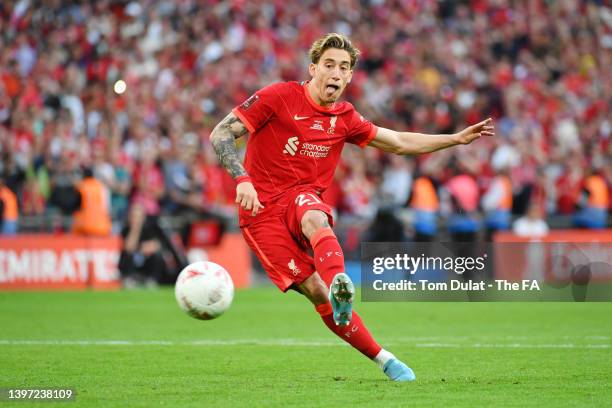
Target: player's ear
{"type": "Point", "coordinates": [348, 81]}
{"type": "Point", "coordinates": [312, 69]}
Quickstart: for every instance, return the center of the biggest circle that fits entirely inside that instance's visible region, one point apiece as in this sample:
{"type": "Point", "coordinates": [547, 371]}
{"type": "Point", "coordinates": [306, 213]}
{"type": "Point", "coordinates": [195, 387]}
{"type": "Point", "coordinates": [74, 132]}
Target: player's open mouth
{"type": "Point", "coordinates": [330, 89]}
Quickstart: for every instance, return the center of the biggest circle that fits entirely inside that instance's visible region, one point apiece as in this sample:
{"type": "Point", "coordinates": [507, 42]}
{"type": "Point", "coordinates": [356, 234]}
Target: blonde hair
{"type": "Point", "coordinates": [333, 40]}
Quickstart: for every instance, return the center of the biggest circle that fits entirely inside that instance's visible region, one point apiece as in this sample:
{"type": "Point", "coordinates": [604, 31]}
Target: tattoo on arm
{"type": "Point", "coordinates": [233, 125]}
{"type": "Point", "coordinates": [222, 139]}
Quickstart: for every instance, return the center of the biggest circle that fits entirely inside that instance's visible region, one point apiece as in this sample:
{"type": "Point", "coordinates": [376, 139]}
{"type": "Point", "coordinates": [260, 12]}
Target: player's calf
{"type": "Point", "coordinates": [314, 289]}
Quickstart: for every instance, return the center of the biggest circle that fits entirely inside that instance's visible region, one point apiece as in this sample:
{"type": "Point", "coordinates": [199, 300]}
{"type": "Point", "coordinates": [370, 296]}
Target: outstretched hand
{"type": "Point", "coordinates": [246, 197]}
{"type": "Point", "coordinates": [471, 133]}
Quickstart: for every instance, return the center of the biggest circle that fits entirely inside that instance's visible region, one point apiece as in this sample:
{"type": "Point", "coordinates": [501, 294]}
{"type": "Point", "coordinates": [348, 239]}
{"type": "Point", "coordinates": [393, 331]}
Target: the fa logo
{"type": "Point", "coordinates": [317, 125]}
{"type": "Point", "coordinates": [293, 267]}
{"type": "Point", "coordinates": [332, 124]}
{"type": "Point", "coordinates": [249, 102]}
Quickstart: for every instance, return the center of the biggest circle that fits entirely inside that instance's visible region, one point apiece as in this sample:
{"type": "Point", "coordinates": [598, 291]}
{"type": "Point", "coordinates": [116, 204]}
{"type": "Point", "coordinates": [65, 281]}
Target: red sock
{"type": "Point", "coordinates": [356, 333]}
{"type": "Point", "coordinates": [328, 255]}
{"type": "Point", "coordinates": [329, 260]}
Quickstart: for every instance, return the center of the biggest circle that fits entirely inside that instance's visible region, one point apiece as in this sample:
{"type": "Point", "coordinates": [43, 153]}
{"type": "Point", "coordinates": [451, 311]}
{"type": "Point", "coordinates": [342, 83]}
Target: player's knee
{"type": "Point", "coordinates": [312, 221]}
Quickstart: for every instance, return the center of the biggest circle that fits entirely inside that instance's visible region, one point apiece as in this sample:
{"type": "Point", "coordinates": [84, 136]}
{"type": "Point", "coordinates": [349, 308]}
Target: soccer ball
{"type": "Point", "coordinates": [204, 290]}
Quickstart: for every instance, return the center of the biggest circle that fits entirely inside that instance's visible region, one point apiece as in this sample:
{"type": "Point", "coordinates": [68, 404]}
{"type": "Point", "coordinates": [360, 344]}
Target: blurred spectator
{"type": "Point", "coordinates": [594, 202]}
{"type": "Point", "coordinates": [145, 244]}
{"type": "Point", "coordinates": [426, 205]}
{"type": "Point", "coordinates": [103, 169]}
{"type": "Point", "coordinates": [32, 200]}
{"type": "Point", "coordinates": [497, 203]}
{"type": "Point", "coordinates": [141, 260]}
{"type": "Point", "coordinates": [148, 182]}
{"type": "Point", "coordinates": [120, 186]}
{"type": "Point", "coordinates": [531, 224]}
{"type": "Point", "coordinates": [397, 181]}
{"type": "Point", "coordinates": [65, 174]}
{"type": "Point", "coordinates": [568, 186]}
{"type": "Point", "coordinates": [357, 189]}
{"type": "Point", "coordinates": [461, 197]}
{"type": "Point", "coordinates": [184, 184]}
{"type": "Point", "coordinates": [8, 209]}
{"type": "Point", "coordinates": [13, 170]}
{"type": "Point", "coordinates": [386, 227]}
{"type": "Point", "coordinates": [93, 216]}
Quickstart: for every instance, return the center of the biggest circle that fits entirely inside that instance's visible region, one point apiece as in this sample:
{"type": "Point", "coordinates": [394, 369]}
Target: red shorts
{"type": "Point", "coordinates": [277, 239]}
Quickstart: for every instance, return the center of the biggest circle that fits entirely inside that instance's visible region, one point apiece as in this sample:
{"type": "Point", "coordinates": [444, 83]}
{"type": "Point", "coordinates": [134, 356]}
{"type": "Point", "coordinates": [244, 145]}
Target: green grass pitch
{"type": "Point", "coordinates": [124, 349]}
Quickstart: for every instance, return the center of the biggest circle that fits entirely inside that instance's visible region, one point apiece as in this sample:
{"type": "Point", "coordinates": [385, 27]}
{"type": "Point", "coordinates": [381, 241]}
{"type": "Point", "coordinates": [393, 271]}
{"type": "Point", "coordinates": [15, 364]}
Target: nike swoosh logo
{"type": "Point", "coordinates": [296, 117]}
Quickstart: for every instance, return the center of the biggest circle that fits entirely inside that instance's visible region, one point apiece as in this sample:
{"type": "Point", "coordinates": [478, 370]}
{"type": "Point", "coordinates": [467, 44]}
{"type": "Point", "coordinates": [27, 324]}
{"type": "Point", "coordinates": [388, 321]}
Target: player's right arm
{"type": "Point", "coordinates": [223, 139]}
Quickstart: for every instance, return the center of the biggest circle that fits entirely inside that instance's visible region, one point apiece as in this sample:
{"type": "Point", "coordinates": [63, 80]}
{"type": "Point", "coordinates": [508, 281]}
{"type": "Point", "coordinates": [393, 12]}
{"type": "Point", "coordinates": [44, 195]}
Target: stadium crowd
{"type": "Point", "coordinates": [130, 92]}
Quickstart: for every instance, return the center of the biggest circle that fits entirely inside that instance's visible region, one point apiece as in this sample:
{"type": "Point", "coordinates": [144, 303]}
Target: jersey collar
{"type": "Point", "coordinates": [313, 103]}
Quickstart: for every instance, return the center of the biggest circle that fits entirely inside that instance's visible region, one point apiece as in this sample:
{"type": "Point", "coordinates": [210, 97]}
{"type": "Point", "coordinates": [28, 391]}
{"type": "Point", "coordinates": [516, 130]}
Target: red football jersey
{"type": "Point", "coordinates": [294, 142]}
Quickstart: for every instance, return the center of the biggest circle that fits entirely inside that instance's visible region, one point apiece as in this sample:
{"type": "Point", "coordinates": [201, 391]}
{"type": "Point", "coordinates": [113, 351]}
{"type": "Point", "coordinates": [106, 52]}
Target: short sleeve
{"type": "Point", "coordinates": [257, 110]}
{"type": "Point", "coordinates": [361, 131]}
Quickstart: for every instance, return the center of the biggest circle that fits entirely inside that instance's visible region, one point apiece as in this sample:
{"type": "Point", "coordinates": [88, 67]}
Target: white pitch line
{"type": "Point", "coordinates": [279, 342]}
{"type": "Point", "coordinates": [288, 342]}
{"type": "Point", "coordinates": [514, 345]}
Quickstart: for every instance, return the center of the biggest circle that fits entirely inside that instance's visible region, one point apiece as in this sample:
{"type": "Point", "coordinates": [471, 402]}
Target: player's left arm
{"type": "Point", "coordinates": [408, 143]}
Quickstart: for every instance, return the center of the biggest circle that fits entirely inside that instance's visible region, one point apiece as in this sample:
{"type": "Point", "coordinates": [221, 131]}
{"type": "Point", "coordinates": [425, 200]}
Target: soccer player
{"type": "Point", "coordinates": [297, 132]}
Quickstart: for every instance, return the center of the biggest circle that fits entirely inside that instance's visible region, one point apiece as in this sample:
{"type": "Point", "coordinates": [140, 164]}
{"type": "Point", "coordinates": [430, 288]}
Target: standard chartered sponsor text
{"type": "Point", "coordinates": [314, 150]}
